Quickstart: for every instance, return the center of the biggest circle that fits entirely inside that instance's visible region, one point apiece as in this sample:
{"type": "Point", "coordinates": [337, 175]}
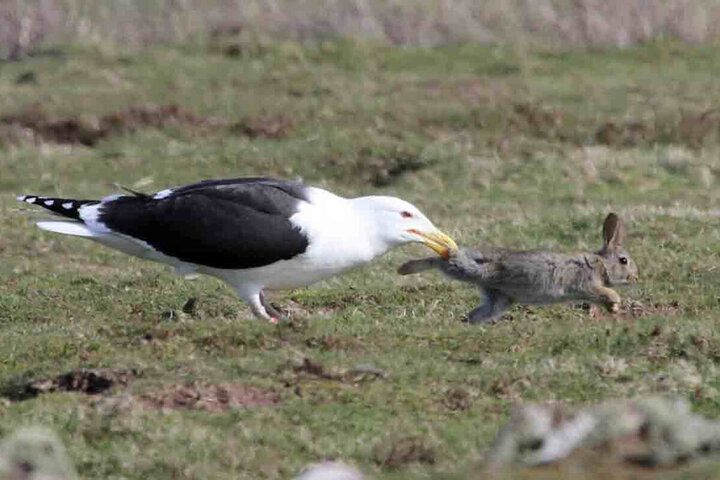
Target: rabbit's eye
{"type": "Point", "coordinates": [623, 260]}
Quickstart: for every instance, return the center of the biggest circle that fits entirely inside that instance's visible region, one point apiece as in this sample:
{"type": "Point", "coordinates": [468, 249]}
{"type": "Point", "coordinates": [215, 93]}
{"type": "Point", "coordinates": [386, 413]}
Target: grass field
{"type": "Point", "coordinates": [523, 150]}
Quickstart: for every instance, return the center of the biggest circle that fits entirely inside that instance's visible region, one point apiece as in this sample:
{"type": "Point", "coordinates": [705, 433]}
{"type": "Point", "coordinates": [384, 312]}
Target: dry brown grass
{"type": "Point", "coordinates": [559, 24]}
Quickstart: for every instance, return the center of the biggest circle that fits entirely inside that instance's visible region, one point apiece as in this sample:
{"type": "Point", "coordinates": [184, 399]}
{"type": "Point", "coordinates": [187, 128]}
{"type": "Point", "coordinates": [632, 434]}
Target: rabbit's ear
{"type": "Point", "coordinates": [613, 233]}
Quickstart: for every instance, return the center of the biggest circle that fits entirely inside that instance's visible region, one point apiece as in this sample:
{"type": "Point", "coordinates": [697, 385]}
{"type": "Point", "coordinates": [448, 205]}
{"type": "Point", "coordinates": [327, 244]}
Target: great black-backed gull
{"type": "Point", "coordinates": [252, 233]}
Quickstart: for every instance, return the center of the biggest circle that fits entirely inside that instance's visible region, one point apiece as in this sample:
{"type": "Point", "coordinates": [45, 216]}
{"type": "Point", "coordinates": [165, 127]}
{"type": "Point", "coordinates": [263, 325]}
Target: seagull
{"type": "Point", "coordinates": [254, 234]}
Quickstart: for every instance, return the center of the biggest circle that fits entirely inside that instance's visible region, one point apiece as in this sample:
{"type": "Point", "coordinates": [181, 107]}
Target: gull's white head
{"type": "Point", "coordinates": [396, 222]}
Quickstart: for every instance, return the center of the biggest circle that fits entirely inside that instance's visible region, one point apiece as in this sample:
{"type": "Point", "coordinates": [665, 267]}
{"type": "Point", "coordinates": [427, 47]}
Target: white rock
{"type": "Point", "coordinates": [330, 471]}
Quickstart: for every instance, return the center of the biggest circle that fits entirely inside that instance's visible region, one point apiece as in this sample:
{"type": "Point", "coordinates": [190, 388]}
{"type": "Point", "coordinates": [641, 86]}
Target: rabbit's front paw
{"type": "Point", "coordinates": [609, 298]}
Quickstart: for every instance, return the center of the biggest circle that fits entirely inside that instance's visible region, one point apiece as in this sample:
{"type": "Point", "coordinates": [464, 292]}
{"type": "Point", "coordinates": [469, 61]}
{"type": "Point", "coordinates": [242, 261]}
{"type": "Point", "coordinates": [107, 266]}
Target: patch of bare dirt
{"type": "Point", "coordinates": [684, 128]}
{"type": "Point", "coordinates": [539, 120]}
{"type": "Point", "coordinates": [40, 126]}
{"type": "Point", "coordinates": [507, 388]}
{"type": "Point", "coordinates": [208, 397]}
{"type": "Point", "coordinates": [382, 169]}
{"type": "Point", "coordinates": [356, 374]}
{"type": "Point", "coordinates": [456, 399]}
{"type": "Point", "coordinates": [691, 129]}
{"type": "Point", "coordinates": [150, 116]}
{"type": "Point", "coordinates": [302, 375]}
{"type": "Point", "coordinates": [395, 453]}
{"type": "Point", "coordinates": [35, 123]}
{"type": "Point", "coordinates": [89, 130]}
{"type": "Point", "coordinates": [91, 381]}
{"type": "Point", "coordinates": [266, 126]}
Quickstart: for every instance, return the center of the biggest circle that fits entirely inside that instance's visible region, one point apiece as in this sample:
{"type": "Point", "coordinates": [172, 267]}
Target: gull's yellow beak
{"type": "Point", "coordinates": [438, 241]}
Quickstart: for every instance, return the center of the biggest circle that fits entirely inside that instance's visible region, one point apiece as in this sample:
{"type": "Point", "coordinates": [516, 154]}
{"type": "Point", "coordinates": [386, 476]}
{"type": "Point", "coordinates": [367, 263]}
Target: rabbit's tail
{"type": "Point", "coordinates": [417, 266]}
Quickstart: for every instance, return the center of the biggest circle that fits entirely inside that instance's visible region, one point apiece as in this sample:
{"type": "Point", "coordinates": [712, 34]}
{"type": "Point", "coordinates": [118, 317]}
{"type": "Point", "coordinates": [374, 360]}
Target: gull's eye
{"type": "Point", "coordinates": [406, 214]}
{"type": "Point", "coordinates": [623, 260]}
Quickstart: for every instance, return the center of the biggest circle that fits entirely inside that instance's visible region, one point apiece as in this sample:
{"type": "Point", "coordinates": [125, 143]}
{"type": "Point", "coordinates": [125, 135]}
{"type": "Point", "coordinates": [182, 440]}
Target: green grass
{"type": "Point", "coordinates": [495, 148]}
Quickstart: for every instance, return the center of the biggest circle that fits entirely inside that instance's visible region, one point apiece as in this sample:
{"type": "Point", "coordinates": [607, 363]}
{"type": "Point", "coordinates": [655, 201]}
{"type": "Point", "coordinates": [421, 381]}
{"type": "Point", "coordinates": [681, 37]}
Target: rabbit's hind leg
{"type": "Point", "coordinates": [495, 304]}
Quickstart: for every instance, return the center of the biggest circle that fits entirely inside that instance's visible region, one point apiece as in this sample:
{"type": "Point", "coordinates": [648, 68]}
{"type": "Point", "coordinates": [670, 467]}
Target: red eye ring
{"type": "Point", "coordinates": [406, 214]}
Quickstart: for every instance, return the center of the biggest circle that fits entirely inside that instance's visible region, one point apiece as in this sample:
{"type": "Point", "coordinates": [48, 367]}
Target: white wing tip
{"type": "Point", "coordinates": [163, 194]}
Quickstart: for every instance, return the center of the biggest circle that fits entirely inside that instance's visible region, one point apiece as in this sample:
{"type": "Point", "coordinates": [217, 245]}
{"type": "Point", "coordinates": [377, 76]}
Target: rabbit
{"type": "Point", "coordinates": [532, 277]}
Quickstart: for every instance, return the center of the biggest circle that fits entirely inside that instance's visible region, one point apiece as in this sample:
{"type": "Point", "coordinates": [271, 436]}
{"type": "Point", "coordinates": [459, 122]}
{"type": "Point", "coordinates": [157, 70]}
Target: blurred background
{"type": "Point", "coordinates": [563, 24]}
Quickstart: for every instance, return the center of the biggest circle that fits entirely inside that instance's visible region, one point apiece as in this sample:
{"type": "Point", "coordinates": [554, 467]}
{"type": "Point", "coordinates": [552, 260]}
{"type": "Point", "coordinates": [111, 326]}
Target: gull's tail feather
{"type": "Point", "coordinates": [66, 207]}
{"type": "Point", "coordinates": [76, 229]}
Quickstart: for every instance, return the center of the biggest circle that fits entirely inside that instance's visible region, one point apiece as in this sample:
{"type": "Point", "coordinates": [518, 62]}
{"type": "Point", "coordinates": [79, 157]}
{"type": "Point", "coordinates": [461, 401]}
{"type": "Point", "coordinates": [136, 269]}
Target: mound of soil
{"type": "Point", "coordinates": [208, 397]}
